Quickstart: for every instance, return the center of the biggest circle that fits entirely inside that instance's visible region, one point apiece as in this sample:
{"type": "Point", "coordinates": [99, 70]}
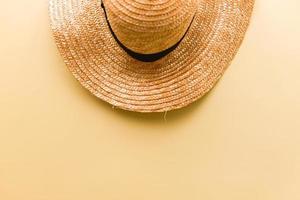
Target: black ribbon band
{"type": "Point", "coordinates": [143, 57]}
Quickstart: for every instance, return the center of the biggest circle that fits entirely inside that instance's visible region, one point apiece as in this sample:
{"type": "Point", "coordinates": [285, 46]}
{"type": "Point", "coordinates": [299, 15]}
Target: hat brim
{"type": "Point", "coordinates": [187, 73]}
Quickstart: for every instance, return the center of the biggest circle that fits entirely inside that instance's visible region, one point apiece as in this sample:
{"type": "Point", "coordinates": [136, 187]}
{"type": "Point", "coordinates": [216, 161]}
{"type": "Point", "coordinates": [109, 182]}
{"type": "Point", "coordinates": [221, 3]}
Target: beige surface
{"type": "Point", "coordinates": [242, 141]}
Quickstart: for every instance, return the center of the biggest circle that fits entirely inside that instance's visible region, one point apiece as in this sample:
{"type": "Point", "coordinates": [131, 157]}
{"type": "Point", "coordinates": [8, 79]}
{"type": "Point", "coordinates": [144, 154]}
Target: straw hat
{"type": "Point", "coordinates": [149, 55]}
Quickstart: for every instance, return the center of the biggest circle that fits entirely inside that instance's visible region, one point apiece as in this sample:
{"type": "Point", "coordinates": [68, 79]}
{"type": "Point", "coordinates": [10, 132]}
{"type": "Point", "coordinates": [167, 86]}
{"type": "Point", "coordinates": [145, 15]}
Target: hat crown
{"type": "Point", "coordinates": [149, 26]}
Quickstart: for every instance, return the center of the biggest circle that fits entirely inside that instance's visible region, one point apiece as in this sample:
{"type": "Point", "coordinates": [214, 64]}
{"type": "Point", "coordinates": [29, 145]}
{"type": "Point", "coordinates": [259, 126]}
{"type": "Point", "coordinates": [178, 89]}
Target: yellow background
{"type": "Point", "coordinates": [240, 142]}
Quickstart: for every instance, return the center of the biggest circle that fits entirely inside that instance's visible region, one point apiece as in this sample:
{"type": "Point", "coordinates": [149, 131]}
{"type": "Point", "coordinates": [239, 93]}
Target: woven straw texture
{"type": "Point", "coordinates": [92, 54]}
{"type": "Point", "coordinates": [150, 26]}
